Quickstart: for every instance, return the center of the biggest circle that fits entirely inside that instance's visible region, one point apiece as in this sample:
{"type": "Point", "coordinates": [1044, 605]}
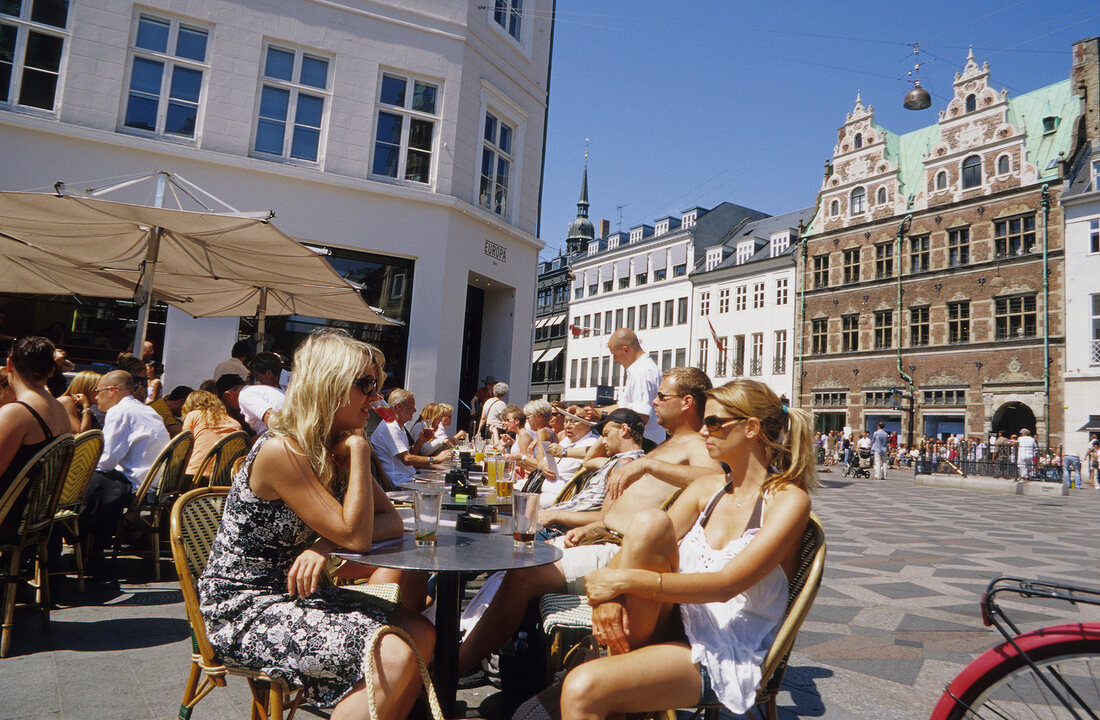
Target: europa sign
{"type": "Point", "coordinates": [497, 252]}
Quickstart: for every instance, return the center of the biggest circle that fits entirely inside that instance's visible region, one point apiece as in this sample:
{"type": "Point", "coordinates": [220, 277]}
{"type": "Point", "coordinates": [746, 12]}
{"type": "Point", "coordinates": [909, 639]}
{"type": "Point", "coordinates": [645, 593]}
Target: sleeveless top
{"type": "Point", "coordinates": [25, 452]}
{"type": "Point", "coordinates": [731, 639]}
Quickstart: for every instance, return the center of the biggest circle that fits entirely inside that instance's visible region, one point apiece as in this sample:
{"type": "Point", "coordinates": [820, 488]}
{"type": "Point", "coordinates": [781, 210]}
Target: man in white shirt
{"type": "Point", "coordinates": [395, 449]}
{"type": "Point", "coordinates": [642, 380]}
{"type": "Point", "coordinates": [133, 437]}
{"type": "Point", "coordinates": [236, 363]}
{"type": "Point", "coordinates": [258, 402]}
{"type": "Point", "coordinates": [1025, 454]}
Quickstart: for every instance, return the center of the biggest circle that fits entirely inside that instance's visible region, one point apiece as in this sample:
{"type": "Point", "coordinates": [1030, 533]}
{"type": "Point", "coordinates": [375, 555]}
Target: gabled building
{"type": "Point", "coordinates": [934, 265]}
{"type": "Point", "coordinates": [743, 300]}
{"type": "Point", "coordinates": [640, 280]}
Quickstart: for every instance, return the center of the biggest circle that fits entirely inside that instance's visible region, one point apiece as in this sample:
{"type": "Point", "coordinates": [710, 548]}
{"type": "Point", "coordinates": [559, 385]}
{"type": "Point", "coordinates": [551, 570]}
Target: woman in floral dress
{"type": "Point", "coordinates": [306, 489]}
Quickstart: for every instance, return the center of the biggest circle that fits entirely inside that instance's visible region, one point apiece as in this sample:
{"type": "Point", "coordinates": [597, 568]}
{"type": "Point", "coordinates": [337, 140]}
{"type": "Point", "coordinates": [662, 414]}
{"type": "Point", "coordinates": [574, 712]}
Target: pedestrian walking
{"type": "Point", "coordinates": [880, 447]}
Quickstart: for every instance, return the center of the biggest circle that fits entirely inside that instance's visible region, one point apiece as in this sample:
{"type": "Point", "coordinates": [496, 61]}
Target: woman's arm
{"type": "Point", "coordinates": [387, 521]}
{"type": "Point", "coordinates": [782, 531]}
{"type": "Point", "coordinates": [280, 472]}
{"type": "Point", "coordinates": [13, 429]}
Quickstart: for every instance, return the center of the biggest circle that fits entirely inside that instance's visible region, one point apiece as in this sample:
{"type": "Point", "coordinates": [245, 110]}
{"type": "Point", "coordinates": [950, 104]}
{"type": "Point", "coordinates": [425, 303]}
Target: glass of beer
{"type": "Point", "coordinates": [504, 472]}
{"type": "Point", "coordinates": [427, 507]}
{"type": "Point", "coordinates": [525, 509]}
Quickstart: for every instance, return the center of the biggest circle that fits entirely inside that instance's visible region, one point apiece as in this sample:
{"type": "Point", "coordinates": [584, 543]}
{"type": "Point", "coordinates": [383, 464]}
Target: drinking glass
{"type": "Point", "coordinates": [427, 507]}
{"type": "Point", "coordinates": [505, 472]}
{"type": "Point", "coordinates": [525, 508]}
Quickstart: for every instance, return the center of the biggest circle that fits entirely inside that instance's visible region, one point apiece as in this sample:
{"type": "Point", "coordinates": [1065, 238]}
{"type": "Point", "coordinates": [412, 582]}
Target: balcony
{"type": "Point", "coordinates": [737, 368]}
{"type": "Point", "coordinates": [756, 366]}
{"type": "Point", "coordinates": [1094, 352]}
{"type": "Point", "coordinates": [779, 365]}
{"type": "Point", "coordinates": [720, 368]}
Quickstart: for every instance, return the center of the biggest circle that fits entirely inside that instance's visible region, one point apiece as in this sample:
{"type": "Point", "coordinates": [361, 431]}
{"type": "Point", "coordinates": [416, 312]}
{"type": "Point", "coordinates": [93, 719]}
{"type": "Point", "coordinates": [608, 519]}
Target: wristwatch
{"type": "Point", "coordinates": [431, 460]}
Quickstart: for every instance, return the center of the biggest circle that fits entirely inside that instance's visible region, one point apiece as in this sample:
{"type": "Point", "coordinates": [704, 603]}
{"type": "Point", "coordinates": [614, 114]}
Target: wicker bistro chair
{"type": "Point", "coordinates": [87, 447]}
{"type": "Point", "coordinates": [194, 523]}
{"type": "Point", "coordinates": [32, 499]}
{"type": "Point", "coordinates": [219, 461]}
{"type": "Point", "coordinates": [150, 506]}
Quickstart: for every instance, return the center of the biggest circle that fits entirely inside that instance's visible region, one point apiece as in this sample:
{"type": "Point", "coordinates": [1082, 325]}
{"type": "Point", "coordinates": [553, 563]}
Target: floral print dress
{"type": "Point", "coordinates": [318, 642]}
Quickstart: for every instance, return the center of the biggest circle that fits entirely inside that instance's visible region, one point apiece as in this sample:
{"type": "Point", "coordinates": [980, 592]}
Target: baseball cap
{"type": "Point", "coordinates": [623, 416]}
{"type": "Point", "coordinates": [229, 381]}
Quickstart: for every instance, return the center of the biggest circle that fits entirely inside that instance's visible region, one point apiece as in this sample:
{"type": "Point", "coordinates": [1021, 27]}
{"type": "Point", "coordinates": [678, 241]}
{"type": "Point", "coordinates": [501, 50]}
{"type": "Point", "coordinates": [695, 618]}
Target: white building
{"type": "Point", "coordinates": [744, 299]}
{"type": "Point", "coordinates": [405, 135]}
{"type": "Point", "coordinates": [640, 280]}
{"type": "Point", "coordinates": [1081, 207]}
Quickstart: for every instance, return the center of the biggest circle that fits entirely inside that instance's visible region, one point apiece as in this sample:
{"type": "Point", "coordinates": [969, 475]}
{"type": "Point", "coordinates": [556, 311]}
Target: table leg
{"type": "Point", "coordinates": [449, 598]}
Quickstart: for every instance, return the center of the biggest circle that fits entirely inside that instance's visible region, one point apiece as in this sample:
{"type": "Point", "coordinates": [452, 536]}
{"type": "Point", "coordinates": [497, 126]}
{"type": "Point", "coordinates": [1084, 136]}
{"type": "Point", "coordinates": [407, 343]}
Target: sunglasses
{"type": "Point", "coordinates": [713, 423]}
{"type": "Point", "coordinates": [662, 397]}
{"type": "Point", "coordinates": [366, 384]}
{"type": "Point", "coordinates": [104, 388]}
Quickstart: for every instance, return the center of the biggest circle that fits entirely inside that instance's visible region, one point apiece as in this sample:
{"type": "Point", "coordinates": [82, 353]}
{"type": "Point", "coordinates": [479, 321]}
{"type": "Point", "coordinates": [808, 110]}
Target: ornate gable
{"type": "Point", "coordinates": [944, 379]}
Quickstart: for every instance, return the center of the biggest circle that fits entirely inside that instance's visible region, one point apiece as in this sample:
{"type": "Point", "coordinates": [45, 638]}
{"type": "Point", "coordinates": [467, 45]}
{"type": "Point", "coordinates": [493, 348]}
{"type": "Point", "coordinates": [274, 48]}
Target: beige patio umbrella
{"type": "Point", "coordinates": [206, 264]}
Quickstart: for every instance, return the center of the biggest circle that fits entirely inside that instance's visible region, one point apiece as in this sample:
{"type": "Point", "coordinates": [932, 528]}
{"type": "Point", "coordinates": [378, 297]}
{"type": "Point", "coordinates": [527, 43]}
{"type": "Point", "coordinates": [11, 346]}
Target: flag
{"type": "Point", "coordinates": [717, 343]}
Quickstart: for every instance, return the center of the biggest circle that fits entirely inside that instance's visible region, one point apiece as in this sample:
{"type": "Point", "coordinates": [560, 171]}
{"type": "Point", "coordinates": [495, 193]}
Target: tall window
{"type": "Point", "coordinates": [881, 196]}
{"type": "Point", "coordinates": [779, 361]}
{"type": "Point", "coordinates": [720, 363]}
{"type": "Point", "coordinates": [919, 254]}
{"type": "Point", "coordinates": [167, 65]}
{"type": "Point", "coordinates": [918, 326]}
{"type": "Point", "coordinates": [941, 180]}
{"type": "Point", "coordinates": [615, 368]}
{"type": "Point", "coordinates": [1094, 348]}
{"type": "Point", "coordinates": [821, 271]}
{"type": "Point", "coordinates": [681, 357]}
{"type": "Point", "coordinates": [859, 201]}
{"type": "Point", "coordinates": [971, 103]}
{"type": "Point", "coordinates": [1095, 175]}
{"type": "Point", "coordinates": [681, 311]}
{"type": "Point", "coordinates": [704, 304]}
{"type": "Point", "coordinates": [641, 278]}
{"type": "Point", "coordinates": [292, 93]}
{"type": "Point", "coordinates": [1015, 236]}
{"type": "Point", "coordinates": [607, 322]}
{"type": "Point", "coordinates": [1004, 165]}
{"type": "Point", "coordinates": [584, 372]}
{"type": "Point", "coordinates": [643, 317]}
{"type": "Point", "coordinates": [668, 313]}
{"type": "Point", "coordinates": [849, 333]}
{"type": "Point", "coordinates": [756, 365]}
{"type": "Point", "coordinates": [630, 317]}
{"type": "Point", "coordinates": [594, 377]}
{"type": "Point", "coordinates": [1015, 317]}
{"type": "Point", "coordinates": [655, 315]}
{"type": "Point", "coordinates": [884, 260]}
{"type": "Point", "coordinates": [605, 370]}
{"type": "Point", "coordinates": [958, 247]}
{"type": "Point", "coordinates": [1094, 236]}
{"type": "Point", "coordinates": [597, 323]}
{"type": "Point", "coordinates": [724, 300]}
{"type": "Point", "coordinates": [704, 347]}
{"type": "Point", "coordinates": [781, 291]}
{"type": "Point", "coordinates": [496, 165]}
{"type": "Point", "coordinates": [666, 360]}
{"type": "Point", "coordinates": [573, 373]}
{"type": "Point", "coordinates": [884, 329]}
{"type": "Point", "coordinates": [851, 265]}
{"type": "Point", "coordinates": [405, 138]}
{"type": "Point", "coordinates": [758, 295]}
{"type": "Point", "coordinates": [619, 318]}
{"type": "Point", "coordinates": [624, 282]}
{"type": "Point", "coordinates": [31, 49]}
{"type": "Point", "coordinates": [972, 172]}
{"type": "Point", "coordinates": [508, 14]}
{"type": "Point", "coordinates": [741, 297]}
{"type": "Point", "coordinates": [737, 366]}
{"type": "Point", "coordinates": [819, 336]}
{"type": "Point", "coordinates": [958, 321]}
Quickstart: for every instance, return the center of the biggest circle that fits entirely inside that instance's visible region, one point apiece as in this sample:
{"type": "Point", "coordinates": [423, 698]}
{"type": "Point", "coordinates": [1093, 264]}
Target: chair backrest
{"type": "Point", "coordinates": [219, 460]}
{"type": "Point", "coordinates": [167, 470]}
{"type": "Point", "coordinates": [87, 447]}
{"type": "Point", "coordinates": [573, 486]}
{"type": "Point", "coordinates": [195, 518]}
{"type": "Point", "coordinates": [800, 598]}
{"type": "Point", "coordinates": [44, 475]}
{"type": "Point", "coordinates": [379, 472]}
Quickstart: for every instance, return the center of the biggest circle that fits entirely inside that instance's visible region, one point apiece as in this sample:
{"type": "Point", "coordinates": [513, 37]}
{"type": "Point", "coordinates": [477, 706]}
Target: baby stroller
{"type": "Point", "coordinates": [859, 465]}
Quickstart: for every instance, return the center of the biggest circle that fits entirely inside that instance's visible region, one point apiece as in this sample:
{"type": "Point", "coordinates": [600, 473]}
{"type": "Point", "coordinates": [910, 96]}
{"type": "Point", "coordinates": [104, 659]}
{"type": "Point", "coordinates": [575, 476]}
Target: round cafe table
{"type": "Point", "coordinates": [456, 553]}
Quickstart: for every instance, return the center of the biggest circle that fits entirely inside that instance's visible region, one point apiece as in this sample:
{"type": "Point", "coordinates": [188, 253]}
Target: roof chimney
{"type": "Point", "coordinates": [1085, 75]}
{"type": "Point", "coordinates": [605, 228]}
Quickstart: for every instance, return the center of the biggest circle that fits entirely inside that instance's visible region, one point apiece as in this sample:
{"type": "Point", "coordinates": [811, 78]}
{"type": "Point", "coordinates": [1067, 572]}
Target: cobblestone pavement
{"type": "Point", "coordinates": [896, 618]}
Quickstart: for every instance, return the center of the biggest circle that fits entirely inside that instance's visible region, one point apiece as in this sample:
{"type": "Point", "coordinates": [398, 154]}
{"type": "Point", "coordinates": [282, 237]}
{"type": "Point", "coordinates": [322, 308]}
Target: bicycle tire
{"type": "Point", "coordinates": [1000, 684]}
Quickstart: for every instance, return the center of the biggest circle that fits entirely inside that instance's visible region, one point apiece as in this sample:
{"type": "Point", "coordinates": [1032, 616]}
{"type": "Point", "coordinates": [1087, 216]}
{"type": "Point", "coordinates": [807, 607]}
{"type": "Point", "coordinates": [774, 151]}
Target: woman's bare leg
{"type": "Point", "coordinates": [649, 544]}
{"type": "Point", "coordinates": [658, 677]}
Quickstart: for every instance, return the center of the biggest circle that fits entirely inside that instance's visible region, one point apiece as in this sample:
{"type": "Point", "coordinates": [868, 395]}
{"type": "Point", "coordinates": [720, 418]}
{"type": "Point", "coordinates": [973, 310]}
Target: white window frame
{"type": "Point", "coordinates": [296, 88]}
{"type": "Point", "coordinates": [24, 26]}
{"type": "Point", "coordinates": [522, 40]}
{"type": "Point", "coordinates": [1095, 175]}
{"type": "Point", "coordinates": [741, 298]}
{"type": "Point", "coordinates": [781, 291]}
{"type": "Point", "coordinates": [714, 258]}
{"type": "Point", "coordinates": [704, 303]}
{"type": "Point", "coordinates": [407, 114]}
{"type": "Point", "coordinates": [723, 300]}
{"type": "Point", "coordinates": [857, 208]}
{"type": "Point", "coordinates": [779, 243]}
{"type": "Point", "coordinates": [688, 219]}
{"type": "Point", "coordinates": [744, 252]}
{"type": "Point", "coordinates": [494, 102]}
{"type": "Point", "coordinates": [170, 63]}
{"type": "Point", "coordinates": [758, 295]}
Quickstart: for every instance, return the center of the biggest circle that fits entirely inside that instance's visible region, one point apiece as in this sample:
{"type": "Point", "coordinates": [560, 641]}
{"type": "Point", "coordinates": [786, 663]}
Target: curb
{"type": "Point", "coordinates": [992, 484]}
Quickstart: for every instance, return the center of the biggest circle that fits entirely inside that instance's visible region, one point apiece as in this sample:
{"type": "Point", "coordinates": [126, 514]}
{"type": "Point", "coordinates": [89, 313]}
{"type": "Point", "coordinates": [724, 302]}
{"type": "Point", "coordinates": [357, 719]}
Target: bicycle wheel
{"type": "Point", "coordinates": [1001, 685]}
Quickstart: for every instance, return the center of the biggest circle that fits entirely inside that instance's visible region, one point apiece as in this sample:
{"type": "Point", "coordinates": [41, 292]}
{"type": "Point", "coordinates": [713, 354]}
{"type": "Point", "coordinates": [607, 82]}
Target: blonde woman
{"type": "Point", "coordinates": [722, 553]}
{"type": "Point", "coordinates": [205, 417]}
{"type": "Point", "coordinates": [436, 418]}
{"type": "Point", "coordinates": [78, 400]}
{"type": "Point", "coordinates": [305, 489]}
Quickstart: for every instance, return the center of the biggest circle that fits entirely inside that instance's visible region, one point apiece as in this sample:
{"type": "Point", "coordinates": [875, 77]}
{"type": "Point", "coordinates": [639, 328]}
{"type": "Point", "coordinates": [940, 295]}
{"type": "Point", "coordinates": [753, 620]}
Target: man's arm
{"type": "Point", "coordinates": [422, 461]}
{"type": "Point", "coordinates": [116, 441]}
{"type": "Point", "coordinates": [569, 518]}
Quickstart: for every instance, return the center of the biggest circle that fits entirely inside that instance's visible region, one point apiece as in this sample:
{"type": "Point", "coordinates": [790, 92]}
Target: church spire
{"type": "Point", "coordinates": [581, 231]}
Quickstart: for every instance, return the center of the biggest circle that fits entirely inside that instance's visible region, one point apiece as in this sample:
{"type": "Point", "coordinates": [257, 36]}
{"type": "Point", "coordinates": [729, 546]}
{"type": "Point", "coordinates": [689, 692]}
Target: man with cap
{"type": "Point", "coordinates": [642, 379]}
{"type": "Point", "coordinates": [258, 402]}
{"type": "Point", "coordinates": [569, 452]}
{"type": "Point", "coordinates": [169, 406]}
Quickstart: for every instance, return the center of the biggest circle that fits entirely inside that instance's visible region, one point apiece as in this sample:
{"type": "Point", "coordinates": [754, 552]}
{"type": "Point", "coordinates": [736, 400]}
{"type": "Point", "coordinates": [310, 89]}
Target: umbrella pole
{"type": "Point", "coordinates": [261, 320]}
{"type": "Point", "coordinates": [145, 293]}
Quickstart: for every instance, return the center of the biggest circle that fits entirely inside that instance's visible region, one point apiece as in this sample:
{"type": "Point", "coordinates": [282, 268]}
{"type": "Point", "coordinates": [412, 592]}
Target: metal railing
{"type": "Point", "coordinates": [737, 368]}
{"type": "Point", "coordinates": [1094, 353]}
{"type": "Point", "coordinates": [779, 365]}
{"type": "Point", "coordinates": [972, 457]}
{"type": "Point", "coordinates": [756, 366]}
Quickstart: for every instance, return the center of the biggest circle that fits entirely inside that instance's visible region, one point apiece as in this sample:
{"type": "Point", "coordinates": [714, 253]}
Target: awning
{"type": "Point", "coordinates": [543, 322]}
{"type": "Point", "coordinates": [536, 356]}
{"type": "Point", "coordinates": [551, 354]}
{"type": "Point", "coordinates": [557, 319]}
{"type": "Point", "coordinates": [622, 268]}
{"type": "Point", "coordinates": [679, 254]}
{"type": "Point", "coordinates": [1093, 425]}
{"type": "Point", "coordinates": [658, 259]}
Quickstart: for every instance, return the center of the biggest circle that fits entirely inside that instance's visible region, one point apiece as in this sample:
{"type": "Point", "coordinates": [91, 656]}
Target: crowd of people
{"type": "Point", "coordinates": [689, 497]}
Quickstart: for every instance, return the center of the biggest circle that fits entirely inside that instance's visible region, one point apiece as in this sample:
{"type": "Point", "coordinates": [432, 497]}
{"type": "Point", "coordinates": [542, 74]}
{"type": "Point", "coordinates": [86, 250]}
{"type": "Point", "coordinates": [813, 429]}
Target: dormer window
{"type": "Point", "coordinates": [881, 198]}
{"type": "Point", "coordinates": [859, 201]}
{"type": "Point", "coordinates": [971, 103]}
{"type": "Point", "coordinates": [858, 141]}
{"type": "Point", "coordinates": [941, 180]}
{"type": "Point", "coordinates": [688, 219]}
{"type": "Point", "coordinates": [635, 235]}
{"type": "Point", "coordinates": [613, 242]}
{"type": "Point", "coordinates": [593, 248]}
{"type": "Point", "coordinates": [1050, 124]}
{"type": "Point", "coordinates": [972, 172]}
{"type": "Point", "coordinates": [714, 257]}
{"type": "Point", "coordinates": [744, 252]}
{"type": "Point", "coordinates": [780, 243]}
{"type": "Point", "coordinates": [662, 228]}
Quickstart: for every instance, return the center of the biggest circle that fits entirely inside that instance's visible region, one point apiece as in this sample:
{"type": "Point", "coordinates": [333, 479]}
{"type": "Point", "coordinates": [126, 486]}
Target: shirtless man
{"type": "Point", "coordinates": [675, 463]}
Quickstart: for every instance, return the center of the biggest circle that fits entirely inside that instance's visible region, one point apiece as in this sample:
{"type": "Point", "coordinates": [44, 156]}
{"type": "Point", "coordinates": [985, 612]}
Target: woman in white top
{"type": "Point", "coordinates": [722, 554]}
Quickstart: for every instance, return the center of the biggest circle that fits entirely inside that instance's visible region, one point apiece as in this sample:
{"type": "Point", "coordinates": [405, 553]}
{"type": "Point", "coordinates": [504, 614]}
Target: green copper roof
{"type": "Point", "coordinates": [912, 147]}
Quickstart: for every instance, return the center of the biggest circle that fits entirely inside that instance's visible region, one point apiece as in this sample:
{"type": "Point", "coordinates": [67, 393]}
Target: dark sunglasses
{"type": "Point", "coordinates": [713, 423]}
{"type": "Point", "coordinates": [662, 397]}
{"type": "Point", "coordinates": [366, 384]}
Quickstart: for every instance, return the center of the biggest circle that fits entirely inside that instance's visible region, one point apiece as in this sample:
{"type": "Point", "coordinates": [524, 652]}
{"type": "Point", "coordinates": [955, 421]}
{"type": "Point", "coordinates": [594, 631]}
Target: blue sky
{"type": "Point", "coordinates": [741, 102]}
